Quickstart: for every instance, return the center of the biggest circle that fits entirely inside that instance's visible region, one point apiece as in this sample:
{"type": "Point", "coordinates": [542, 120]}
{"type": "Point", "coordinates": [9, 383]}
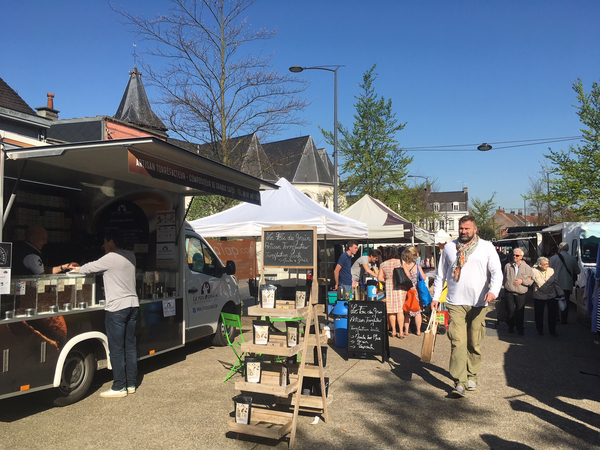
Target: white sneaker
{"type": "Point", "coordinates": [131, 390]}
{"type": "Point", "coordinates": [114, 394]}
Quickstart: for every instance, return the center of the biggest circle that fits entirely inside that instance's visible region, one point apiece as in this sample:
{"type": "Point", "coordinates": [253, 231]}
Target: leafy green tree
{"type": "Point", "coordinates": [208, 205]}
{"type": "Point", "coordinates": [575, 182]}
{"type": "Point", "coordinates": [372, 162]}
{"type": "Point", "coordinates": [483, 211]}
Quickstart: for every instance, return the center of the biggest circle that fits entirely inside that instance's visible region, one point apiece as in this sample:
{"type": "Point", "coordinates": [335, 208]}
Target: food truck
{"type": "Point", "coordinates": [52, 326]}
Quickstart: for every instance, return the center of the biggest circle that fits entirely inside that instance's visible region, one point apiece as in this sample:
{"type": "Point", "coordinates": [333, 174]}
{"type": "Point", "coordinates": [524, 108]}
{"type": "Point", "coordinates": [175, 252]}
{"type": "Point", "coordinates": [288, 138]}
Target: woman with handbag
{"type": "Point", "coordinates": [411, 306]}
{"type": "Point", "coordinates": [546, 291]}
{"type": "Point", "coordinates": [394, 295]}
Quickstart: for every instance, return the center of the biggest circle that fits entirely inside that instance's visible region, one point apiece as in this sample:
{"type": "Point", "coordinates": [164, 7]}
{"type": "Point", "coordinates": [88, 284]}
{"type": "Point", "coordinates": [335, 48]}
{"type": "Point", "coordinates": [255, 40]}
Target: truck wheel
{"type": "Point", "coordinates": [76, 376]}
{"type": "Point", "coordinates": [220, 338]}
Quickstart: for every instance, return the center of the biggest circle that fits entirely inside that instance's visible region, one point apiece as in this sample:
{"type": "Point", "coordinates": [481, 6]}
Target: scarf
{"type": "Point", "coordinates": [463, 251]}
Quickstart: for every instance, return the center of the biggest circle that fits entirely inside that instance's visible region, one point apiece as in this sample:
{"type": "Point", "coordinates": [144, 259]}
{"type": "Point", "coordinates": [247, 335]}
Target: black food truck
{"type": "Point", "coordinates": [52, 326]}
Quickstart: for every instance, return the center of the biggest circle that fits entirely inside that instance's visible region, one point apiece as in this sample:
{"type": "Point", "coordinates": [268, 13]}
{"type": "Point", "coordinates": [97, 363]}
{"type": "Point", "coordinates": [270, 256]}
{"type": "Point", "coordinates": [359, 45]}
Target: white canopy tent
{"type": "Point", "coordinates": [441, 237]}
{"type": "Point", "coordinates": [385, 224]}
{"type": "Point", "coordinates": [284, 206]}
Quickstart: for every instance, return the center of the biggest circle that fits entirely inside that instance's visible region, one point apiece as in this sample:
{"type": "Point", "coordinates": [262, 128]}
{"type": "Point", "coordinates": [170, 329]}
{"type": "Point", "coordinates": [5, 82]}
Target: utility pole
{"type": "Point", "coordinates": [549, 210]}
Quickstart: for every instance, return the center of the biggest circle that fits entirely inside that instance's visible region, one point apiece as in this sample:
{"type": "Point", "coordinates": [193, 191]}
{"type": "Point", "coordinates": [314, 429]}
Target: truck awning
{"type": "Point", "coordinates": [147, 162]}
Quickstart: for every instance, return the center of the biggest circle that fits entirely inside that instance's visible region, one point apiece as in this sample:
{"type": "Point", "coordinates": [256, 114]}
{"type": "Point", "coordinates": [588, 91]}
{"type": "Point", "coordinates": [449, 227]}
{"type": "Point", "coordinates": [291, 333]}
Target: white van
{"type": "Point", "coordinates": [583, 239]}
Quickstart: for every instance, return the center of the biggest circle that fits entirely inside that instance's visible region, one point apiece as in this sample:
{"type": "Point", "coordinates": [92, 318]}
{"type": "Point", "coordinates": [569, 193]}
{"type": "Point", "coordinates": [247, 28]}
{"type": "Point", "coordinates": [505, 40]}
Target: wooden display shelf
{"type": "Point", "coordinates": [308, 403]}
{"type": "Point", "coordinates": [265, 423]}
{"type": "Point", "coordinates": [310, 370]}
{"type": "Point", "coordinates": [277, 312]}
{"type": "Point", "coordinates": [312, 340]}
{"type": "Point", "coordinates": [277, 345]}
{"type": "Point", "coordinates": [257, 311]}
{"type": "Point", "coordinates": [269, 384]}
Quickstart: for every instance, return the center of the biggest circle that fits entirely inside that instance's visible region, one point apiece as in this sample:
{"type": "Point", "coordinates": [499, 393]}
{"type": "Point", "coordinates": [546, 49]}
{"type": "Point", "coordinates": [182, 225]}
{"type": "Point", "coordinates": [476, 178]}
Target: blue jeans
{"type": "Point", "coordinates": [120, 330]}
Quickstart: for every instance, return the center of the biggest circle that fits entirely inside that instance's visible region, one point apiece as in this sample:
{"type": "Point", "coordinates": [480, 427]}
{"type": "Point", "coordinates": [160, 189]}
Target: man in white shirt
{"type": "Point", "coordinates": [471, 268]}
{"type": "Point", "coordinates": [117, 267]}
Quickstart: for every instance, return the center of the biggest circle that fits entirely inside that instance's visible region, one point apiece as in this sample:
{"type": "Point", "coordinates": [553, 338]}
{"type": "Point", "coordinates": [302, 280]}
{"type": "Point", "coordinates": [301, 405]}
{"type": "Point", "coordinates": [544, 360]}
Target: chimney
{"type": "Point", "coordinates": [465, 190]}
{"type": "Point", "coordinates": [520, 212]}
{"type": "Point", "coordinates": [48, 111]}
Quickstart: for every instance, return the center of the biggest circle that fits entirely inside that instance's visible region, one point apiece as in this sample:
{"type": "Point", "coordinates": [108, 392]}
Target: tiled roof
{"type": "Point", "coordinates": [11, 100]}
{"type": "Point", "coordinates": [78, 130]}
{"type": "Point", "coordinates": [325, 158]}
{"type": "Point", "coordinates": [135, 107]}
{"type": "Point", "coordinates": [247, 156]}
{"type": "Point", "coordinates": [448, 197]}
{"type": "Point", "coordinates": [298, 161]}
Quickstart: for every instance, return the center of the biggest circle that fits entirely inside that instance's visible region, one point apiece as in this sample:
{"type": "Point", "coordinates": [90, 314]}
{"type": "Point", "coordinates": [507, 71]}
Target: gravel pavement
{"type": "Point", "coordinates": [535, 392]}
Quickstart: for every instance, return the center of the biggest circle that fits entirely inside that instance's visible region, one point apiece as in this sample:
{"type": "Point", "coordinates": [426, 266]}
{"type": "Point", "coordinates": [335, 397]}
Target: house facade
{"type": "Point", "coordinates": [449, 208]}
{"type": "Point", "coordinates": [20, 125]}
{"type": "Point", "coordinates": [504, 220]}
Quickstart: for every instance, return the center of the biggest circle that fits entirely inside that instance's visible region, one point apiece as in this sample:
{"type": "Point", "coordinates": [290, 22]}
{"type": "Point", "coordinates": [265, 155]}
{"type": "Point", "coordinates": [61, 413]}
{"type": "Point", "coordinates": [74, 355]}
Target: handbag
{"type": "Point", "coordinates": [562, 304]}
{"type": "Point", "coordinates": [401, 280]}
{"type": "Point", "coordinates": [429, 339]}
{"type": "Point", "coordinates": [423, 289]}
{"type": "Point", "coordinates": [411, 304]}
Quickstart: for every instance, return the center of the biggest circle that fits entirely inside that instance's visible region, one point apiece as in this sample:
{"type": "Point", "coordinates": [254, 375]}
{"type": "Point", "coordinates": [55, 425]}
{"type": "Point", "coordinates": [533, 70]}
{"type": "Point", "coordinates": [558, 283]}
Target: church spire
{"type": "Point", "coordinates": [135, 107]}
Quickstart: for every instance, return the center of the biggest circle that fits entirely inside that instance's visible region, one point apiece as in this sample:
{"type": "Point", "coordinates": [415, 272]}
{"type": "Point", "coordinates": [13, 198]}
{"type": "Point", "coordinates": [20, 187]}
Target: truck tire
{"type": "Point", "coordinates": [76, 376]}
{"type": "Point", "coordinates": [220, 339]}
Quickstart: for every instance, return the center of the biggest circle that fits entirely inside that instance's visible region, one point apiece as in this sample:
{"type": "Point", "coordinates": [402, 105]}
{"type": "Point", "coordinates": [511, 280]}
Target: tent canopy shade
{"type": "Point", "coordinates": [385, 225]}
{"type": "Point", "coordinates": [284, 206]}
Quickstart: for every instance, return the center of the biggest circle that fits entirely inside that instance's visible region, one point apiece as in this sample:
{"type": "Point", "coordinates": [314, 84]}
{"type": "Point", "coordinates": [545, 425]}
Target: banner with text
{"type": "Point", "coordinates": [150, 166]}
{"type": "Point", "coordinates": [243, 253]}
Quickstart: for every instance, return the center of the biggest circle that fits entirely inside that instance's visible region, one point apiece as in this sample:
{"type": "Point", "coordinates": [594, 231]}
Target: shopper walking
{"type": "Point", "coordinates": [471, 268]}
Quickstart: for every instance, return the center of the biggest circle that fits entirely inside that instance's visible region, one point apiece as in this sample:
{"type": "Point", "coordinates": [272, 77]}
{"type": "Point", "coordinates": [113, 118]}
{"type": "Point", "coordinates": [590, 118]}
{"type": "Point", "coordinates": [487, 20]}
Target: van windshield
{"type": "Point", "coordinates": [589, 240]}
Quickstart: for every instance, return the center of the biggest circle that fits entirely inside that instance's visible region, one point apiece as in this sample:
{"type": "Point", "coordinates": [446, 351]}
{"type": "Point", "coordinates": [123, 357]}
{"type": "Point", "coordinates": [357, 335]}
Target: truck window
{"type": "Point", "coordinates": [200, 258]}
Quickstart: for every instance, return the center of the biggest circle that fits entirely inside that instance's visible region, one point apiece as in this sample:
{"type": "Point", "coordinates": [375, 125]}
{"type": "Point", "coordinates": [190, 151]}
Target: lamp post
{"type": "Point", "coordinates": [334, 69]}
{"type": "Point", "coordinates": [426, 193]}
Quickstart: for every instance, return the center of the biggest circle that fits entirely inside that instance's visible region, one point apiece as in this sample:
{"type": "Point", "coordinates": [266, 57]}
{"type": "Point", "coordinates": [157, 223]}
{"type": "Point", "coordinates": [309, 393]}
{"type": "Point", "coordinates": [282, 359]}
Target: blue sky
{"type": "Point", "coordinates": [458, 72]}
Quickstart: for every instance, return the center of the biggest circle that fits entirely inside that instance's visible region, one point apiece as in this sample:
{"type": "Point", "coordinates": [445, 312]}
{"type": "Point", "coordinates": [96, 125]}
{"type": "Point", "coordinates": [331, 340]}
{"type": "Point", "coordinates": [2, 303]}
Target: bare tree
{"type": "Point", "coordinates": [537, 187]}
{"type": "Point", "coordinates": [211, 90]}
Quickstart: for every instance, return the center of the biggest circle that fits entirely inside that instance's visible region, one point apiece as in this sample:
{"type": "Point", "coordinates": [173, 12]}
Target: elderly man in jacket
{"type": "Point", "coordinates": [517, 279]}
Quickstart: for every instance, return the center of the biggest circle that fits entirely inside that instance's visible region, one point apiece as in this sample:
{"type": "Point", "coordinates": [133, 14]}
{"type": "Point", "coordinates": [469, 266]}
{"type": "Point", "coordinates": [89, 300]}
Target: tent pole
{"type": "Point", "coordinates": [326, 264]}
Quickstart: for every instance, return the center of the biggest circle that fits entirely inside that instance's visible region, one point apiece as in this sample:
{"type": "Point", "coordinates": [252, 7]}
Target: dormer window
{"type": "Point", "coordinates": [436, 207]}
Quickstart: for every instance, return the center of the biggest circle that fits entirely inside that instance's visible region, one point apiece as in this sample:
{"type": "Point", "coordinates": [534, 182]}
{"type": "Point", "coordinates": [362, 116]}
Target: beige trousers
{"type": "Point", "coordinates": [466, 331]}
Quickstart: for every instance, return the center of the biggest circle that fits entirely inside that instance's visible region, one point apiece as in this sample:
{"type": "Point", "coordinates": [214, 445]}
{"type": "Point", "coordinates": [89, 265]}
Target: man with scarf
{"type": "Point", "coordinates": [471, 268]}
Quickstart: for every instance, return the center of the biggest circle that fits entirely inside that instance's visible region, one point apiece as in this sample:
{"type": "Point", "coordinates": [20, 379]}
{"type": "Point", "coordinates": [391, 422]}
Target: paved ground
{"type": "Point", "coordinates": [535, 392]}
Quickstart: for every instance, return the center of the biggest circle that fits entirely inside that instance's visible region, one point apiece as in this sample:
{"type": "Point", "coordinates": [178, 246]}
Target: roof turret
{"type": "Point", "coordinates": [135, 107]}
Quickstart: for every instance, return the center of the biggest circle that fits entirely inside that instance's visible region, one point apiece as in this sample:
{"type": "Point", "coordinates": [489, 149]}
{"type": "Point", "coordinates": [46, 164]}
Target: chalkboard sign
{"type": "Point", "coordinates": [367, 328]}
{"type": "Point", "coordinates": [289, 248]}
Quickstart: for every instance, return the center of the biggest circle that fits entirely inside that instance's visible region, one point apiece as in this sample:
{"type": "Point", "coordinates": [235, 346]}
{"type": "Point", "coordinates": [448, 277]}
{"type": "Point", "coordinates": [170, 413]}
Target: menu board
{"type": "Point", "coordinates": [289, 248]}
{"type": "Point", "coordinates": [367, 327]}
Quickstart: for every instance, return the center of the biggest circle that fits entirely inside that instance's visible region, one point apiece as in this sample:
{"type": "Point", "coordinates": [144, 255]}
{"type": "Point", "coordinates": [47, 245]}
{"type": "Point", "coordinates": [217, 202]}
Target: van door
{"type": "Point", "coordinates": [204, 279]}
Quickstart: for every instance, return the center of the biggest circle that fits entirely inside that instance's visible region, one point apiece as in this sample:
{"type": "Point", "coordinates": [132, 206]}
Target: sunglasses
{"type": "Point", "coordinates": [517, 256]}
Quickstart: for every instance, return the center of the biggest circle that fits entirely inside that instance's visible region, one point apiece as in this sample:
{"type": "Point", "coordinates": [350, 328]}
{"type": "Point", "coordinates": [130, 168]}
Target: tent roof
{"type": "Point", "coordinates": [441, 237]}
{"type": "Point", "coordinates": [384, 223]}
{"type": "Point", "coordinates": [284, 206]}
